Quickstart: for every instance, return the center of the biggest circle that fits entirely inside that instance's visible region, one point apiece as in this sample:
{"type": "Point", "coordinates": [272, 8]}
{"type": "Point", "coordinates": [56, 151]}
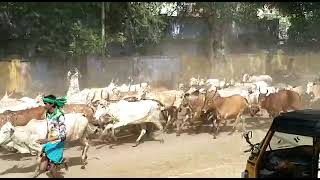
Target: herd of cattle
{"type": "Point", "coordinates": [140, 109]}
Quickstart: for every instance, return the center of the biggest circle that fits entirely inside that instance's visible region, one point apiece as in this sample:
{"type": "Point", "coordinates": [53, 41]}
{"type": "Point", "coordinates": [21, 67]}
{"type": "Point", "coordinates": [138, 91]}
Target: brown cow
{"type": "Point", "coordinates": [21, 118]}
{"type": "Point", "coordinates": [170, 100]}
{"type": "Point", "coordinates": [191, 107]}
{"type": "Point", "coordinates": [226, 108]}
{"type": "Point", "coordinates": [283, 100]}
{"type": "Point", "coordinates": [81, 108]}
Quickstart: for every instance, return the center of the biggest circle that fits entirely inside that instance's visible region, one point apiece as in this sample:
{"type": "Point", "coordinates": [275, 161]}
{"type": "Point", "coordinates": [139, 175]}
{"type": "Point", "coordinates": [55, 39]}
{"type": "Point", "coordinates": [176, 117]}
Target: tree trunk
{"type": "Point", "coordinates": [222, 35]}
{"type": "Point", "coordinates": [103, 17]}
{"type": "Point", "coordinates": [212, 44]}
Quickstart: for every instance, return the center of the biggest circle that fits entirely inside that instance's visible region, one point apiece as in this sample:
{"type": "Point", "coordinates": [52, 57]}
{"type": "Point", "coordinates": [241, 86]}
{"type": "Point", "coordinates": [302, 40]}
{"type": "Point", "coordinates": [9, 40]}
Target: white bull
{"type": "Point", "coordinates": [89, 95]}
{"type": "Point", "coordinates": [238, 90]}
{"type": "Point", "coordinates": [23, 138]}
{"type": "Point", "coordinates": [255, 78]}
{"type": "Point", "coordinates": [216, 83]}
{"type": "Point", "coordinates": [23, 103]}
{"type": "Point", "coordinates": [299, 89]}
{"type": "Point", "coordinates": [127, 113]}
{"type": "Point", "coordinates": [314, 89]}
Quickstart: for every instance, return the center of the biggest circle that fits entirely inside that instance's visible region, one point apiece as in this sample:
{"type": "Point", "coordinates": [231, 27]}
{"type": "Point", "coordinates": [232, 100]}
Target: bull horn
{"type": "Point", "coordinates": [69, 74]}
{"type": "Point", "coordinates": [215, 92]}
{"type": "Point", "coordinates": [11, 93]}
{"type": "Point", "coordinates": [76, 70]}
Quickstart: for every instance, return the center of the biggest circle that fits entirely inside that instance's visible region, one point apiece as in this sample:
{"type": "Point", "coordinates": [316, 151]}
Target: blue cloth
{"type": "Point", "coordinates": [54, 151]}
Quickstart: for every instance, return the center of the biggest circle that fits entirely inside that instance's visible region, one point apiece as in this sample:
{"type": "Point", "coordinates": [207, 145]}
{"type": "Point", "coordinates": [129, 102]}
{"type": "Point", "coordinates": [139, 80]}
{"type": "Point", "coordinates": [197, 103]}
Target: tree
{"type": "Point", "coordinates": [304, 31]}
{"type": "Point", "coordinates": [78, 29]}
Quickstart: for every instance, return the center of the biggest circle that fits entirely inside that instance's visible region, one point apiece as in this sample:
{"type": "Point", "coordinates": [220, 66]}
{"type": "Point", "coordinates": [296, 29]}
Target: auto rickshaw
{"type": "Point", "coordinates": [289, 149]}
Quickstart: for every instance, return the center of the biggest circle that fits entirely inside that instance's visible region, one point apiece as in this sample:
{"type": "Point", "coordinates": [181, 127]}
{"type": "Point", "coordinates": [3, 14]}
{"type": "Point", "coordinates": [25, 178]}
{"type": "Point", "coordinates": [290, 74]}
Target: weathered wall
{"type": "Point", "coordinates": [49, 76]}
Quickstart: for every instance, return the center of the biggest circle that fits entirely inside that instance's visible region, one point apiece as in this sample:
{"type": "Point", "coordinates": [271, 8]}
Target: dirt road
{"type": "Point", "coordinates": [197, 155]}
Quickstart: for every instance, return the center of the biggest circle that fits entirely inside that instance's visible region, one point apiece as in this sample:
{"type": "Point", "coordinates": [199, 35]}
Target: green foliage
{"type": "Point", "coordinates": [64, 28]}
{"type": "Point", "coordinates": [137, 23]}
{"type": "Point", "coordinates": [85, 41]}
{"type": "Point", "coordinates": [74, 28]}
{"type": "Point", "coordinates": [305, 18]}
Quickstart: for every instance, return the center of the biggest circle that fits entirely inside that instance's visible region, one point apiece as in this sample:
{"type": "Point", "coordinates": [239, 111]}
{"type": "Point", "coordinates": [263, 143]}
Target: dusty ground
{"type": "Point", "coordinates": [195, 155]}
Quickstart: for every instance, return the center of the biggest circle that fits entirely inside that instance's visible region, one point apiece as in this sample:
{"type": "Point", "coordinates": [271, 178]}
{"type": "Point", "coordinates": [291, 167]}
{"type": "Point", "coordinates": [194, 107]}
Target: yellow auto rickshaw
{"type": "Point", "coordinates": [289, 149]}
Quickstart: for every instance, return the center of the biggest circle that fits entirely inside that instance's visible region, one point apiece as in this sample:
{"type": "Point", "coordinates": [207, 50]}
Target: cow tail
{"type": "Point", "coordinates": [163, 109]}
{"type": "Point", "coordinates": [101, 94]}
{"type": "Point", "coordinates": [247, 103]}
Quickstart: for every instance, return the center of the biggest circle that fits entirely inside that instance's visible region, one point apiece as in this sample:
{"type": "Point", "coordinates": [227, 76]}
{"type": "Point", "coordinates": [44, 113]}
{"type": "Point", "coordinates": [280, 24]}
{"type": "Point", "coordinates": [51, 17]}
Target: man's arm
{"type": "Point", "coordinates": [62, 128]}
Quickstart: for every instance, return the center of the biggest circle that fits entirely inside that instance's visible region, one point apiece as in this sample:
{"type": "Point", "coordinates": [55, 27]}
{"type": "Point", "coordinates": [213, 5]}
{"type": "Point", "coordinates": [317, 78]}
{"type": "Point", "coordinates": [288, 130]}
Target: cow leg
{"type": "Point", "coordinates": [66, 163]}
{"type": "Point", "coordinates": [160, 132]}
{"type": "Point", "coordinates": [243, 124]}
{"type": "Point", "coordinates": [168, 123]}
{"type": "Point", "coordinates": [84, 156]}
{"type": "Point", "coordinates": [41, 165]}
{"type": "Point", "coordinates": [143, 131]}
{"type": "Point", "coordinates": [236, 122]}
{"type": "Point", "coordinates": [103, 134]}
{"type": "Point", "coordinates": [113, 134]}
{"type": "Point", "coordinates": [186, 120]}
{"type": "Point", "coordinates": [106, 132]}
{"type": "Point", "coordinates": [225, 123]}
{"type": "Point", "coordinates": [210, 117]}
{"type": "Point", "coordinates": [180, 124]}
{"type": "Point", "coordinates": [216, 125]}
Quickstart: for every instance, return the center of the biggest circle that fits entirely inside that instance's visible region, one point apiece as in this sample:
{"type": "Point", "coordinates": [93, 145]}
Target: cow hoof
{"type": "Point", "coordinates": [83, 167]}
{"type": "Point", "coordinates": [35, 175]}
{"type": "Point", "coordinates": [177, 134]}
{"type": "Point", "coordinates": [136, 144]}
{"type": "Point", "coordinates": [165, 131]}
{"type": "Point", "coordinates": [161, 141]}
{"type": "Point", "coordinates": [214, 137]}
{"type": "Point", "coordinates": [66, 166]}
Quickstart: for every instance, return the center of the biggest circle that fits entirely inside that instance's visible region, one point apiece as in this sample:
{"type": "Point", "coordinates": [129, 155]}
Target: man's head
{"type": "Point", "coordinates": [49, 102]}
{"type": "Point", "coordinates": [52, 101]}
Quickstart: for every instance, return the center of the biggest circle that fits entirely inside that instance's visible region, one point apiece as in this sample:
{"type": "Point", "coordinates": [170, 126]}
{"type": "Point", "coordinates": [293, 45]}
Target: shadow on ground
{"type": "Point", "coordinates": [73, 161]}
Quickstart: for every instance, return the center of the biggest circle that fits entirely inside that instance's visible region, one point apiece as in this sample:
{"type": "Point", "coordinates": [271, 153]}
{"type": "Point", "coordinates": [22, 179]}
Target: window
{"type": "Point", "coordinates": [288, 155]}
{"type": "Point", "coordinates": [284, 140]}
